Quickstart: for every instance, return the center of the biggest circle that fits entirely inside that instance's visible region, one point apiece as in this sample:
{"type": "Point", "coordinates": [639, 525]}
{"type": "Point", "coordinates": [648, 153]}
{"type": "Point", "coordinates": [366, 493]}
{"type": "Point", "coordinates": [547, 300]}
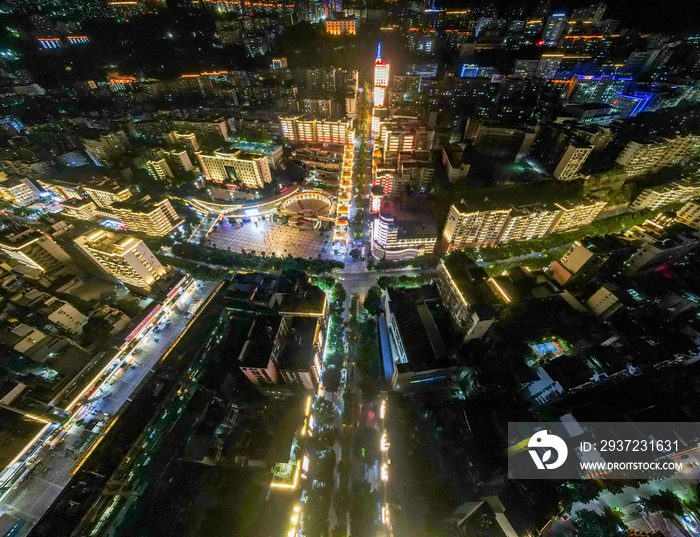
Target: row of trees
{"type": "Point", "coordinates": [400, 282]}
{"type": "Point", "coordinates": [665, 503]}
{"type": "Point", "coordinates": [251, 261]}
{"type": "Point", "coordinates": [315, 509]}
{"type": "Point", "coordinates": [335, 353]}
{"type": "Point", "coordinates": [427, 261]}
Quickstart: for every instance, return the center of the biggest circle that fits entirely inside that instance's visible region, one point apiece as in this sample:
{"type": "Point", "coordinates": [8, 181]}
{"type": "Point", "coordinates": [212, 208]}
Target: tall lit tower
{"type": "Point", "coordinates": [381, 79]}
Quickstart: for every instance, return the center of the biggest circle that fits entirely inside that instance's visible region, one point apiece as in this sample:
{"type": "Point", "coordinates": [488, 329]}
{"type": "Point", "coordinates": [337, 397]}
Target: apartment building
{"type": "Point", "coordinates": [571, 161]}
{"type": "Point", "coordinates": [641, 156]}
{"type": "Point", "coordinates": [281, 354]}
{"type": "Point", "coordinates": [655, 246]}
{"type": "Point", "coordinates": [690, 215]}
{"type": "Point", "coordinates": [21, 191]}
{"type": "Point", "coordinates": [188, 139]}
{"type": "Point", "coordinates": [342, 26]}
{"type": "Point", "coordinates": [576, 214]}
{"type": "Point", "coordinates": [84, 209]}
{"type": "Point", "coordinates": [653, 198]}
{"type": "Point", "coordinates": [105, 192]}
{"type": "Point", "coordinates": [680, 149]}
{"type": "Point", "coordinates": [466, 228]}
{"type": "Point", "coordinates": [299, 129]}
{"type": "Point", "coordinates": [214, 128]}
{"type": "Point", "coordinates": [464, 289]}
{"type": "Point", "coordinates": [145, 215]}
{"type": "Point", "coordinates": [125, 258]}
{"type": "Point", "coordinates": [525, 223]}
{"type": "Point", "coordinates": [106, 147]}
{"type": "Point", "coordinates": [33, 249]}
{"type": "Point", "coordinates": [159, 170]}
{"type": "Point", "coordinates": [403, 135]}
{"type": "Point", "coordinates": [481, 228]}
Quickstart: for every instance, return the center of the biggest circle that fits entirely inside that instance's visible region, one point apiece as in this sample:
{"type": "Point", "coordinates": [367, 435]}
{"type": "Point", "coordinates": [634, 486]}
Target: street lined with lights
{"type": "Point", "coordinates": [62, 451]}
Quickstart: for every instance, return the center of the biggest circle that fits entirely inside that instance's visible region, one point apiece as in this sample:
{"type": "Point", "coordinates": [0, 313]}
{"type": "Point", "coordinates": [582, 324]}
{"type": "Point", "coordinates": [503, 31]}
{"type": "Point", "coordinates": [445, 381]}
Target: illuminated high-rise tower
{"type": "Point", "coordinates": [381, 79]}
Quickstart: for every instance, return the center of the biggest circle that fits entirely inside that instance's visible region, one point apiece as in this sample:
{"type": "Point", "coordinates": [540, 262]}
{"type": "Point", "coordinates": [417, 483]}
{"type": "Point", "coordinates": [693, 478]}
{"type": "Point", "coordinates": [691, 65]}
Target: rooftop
{"type": "Point", "coordinates": [15, 236]}
{"type": "Point", "coordinates": [298, 353]}
{"type": "Point", "coordinates": [260, 342]}
{"type": "Point", "coordinates": [141, 205]}
{"type": "Point", "coordinates": [16, 431]}
{"type": "Point", "coordinates": [470, 279]}
{"type": "Point", "coordinates": [422, 342]}
{"type": "Point", "coordinates": [540, 193]}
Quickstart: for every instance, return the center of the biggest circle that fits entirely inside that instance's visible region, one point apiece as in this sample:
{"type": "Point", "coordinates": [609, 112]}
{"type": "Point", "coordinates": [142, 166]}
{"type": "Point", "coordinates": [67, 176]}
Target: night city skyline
{"type": "Point", "coordinates": [304, 268]}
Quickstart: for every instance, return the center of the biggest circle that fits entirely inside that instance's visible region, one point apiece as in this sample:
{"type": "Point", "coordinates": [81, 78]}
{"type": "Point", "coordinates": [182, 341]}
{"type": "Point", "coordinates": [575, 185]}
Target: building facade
{"type": "Point", "coordinates": [125, 258]}
{"type": "Point", "coordinates": [239, 166]}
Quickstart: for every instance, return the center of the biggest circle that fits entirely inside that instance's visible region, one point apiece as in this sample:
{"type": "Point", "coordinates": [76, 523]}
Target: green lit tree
{"type": "Point", "coordinates": [331, 378]}
{"type": "Point", "coordinates": [593, 524]}
{"type": "Point", "coordinates": [373, 301]}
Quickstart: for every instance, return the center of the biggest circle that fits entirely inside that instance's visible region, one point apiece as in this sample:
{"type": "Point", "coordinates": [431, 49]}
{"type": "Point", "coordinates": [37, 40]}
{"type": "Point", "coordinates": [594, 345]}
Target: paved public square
{"type": "Point", "coordinates": [271, 237]}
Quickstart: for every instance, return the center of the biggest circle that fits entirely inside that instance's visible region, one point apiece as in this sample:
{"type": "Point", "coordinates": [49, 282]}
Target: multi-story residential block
{"type": "Point", "coordinates": [402, 135]}
{"type": "Point", "coordinates": [501, 141]}
{"type": "Point", "coordinates": [342, 26]}
{"type": "Point", "coordinates": [258, 356]}
{"type": "Point", "coordinates": [584, 260]}
{"type": "Point", "coordinates": [576, 214]}
{"type": "Point", "coordinates": [680, 149]}
{"type": "Point", "coordinates": [571, 161]}
{"type": "Point", "coordinates": [299, 129]}
{"type": "Point", "coordinates": [33, 249]}
{"type": "Point", "coordinates": [281, 355]}
{"type": "Point", "coordinates": [105, 192]}
{"type": "Point", "coordinates": [653, 198]}
{"type": "Point", "coordinates": [642, 156]}
{"type": "Point", "coordinates": [417, 169]}
{"type": "Point", "coordinates": [527, 223]}
{"type": "Point", "coordinates": [480, 228]}
{"type": "Point", "coordinates": [106, 147]}
{"type": "Point", "coordinates": [159, 169]}
{"type": "Point", "coordinates": [421, 41]}
{"type": "Point", "coordinates": [238, 166]}
{"type": "Point", "coordinates": [145, 215]}
{"type": "Point", "coordinates": [690, 215]}
{"type": "Point", "coordinates": [64, 315]}
{"type": "Point", "coordinates": [73, 159]}
{"type": "Point", "coordinates": [188, 139]}
{"type": "Point", "coordinates": [318, 107]}
{"type": "Point", "coordinates": [464, 290]}
{"type": "Point", "coordinates": [84, 209]}
{"type": "Point", "coordinates": [208, 128]}
{"type": "Point", "coordinates": [182, 160]}
{"type": "Point", "coordinates": [61, 189]}
{"type": "Point", "coordinates": [402, 235]}
{"type": "Point", "coordinates": [655, 246]}
{"type": "Point", "coordinates": [125, 258]}
{"type": "Point", "coordinates": [299, 363]}
{"type": "Point", "coordinates": [18, 191]}
{"type": "Point", "coordinates": [554, 28]}
{"type": "Point", "coordinates": [467, 228]}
